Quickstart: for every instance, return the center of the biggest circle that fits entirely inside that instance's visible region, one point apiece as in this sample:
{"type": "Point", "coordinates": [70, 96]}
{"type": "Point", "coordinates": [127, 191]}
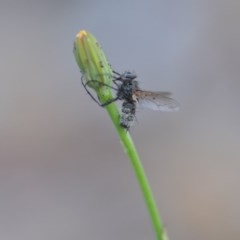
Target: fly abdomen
{"type": "Point", "coordinates": [128, 114]}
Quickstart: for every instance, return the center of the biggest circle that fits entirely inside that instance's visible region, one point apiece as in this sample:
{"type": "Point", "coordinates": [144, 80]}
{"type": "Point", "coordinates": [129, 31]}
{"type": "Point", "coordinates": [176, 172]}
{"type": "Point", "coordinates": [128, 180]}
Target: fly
{"type": "Point", "coordinates": [127, 89]}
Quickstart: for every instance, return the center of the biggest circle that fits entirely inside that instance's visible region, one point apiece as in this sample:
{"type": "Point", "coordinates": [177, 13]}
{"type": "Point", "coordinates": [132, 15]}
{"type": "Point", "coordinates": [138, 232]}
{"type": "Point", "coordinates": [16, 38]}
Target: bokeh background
{"type": "Point", "coordinates": [63, 172]}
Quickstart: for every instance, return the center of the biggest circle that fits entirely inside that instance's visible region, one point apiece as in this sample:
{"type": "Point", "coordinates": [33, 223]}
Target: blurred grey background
{"type": "Point", "coordinates": [63, 172]}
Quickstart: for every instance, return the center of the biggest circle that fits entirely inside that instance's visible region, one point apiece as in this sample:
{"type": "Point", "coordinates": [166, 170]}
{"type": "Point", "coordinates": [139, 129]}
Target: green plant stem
{"type": "Point", "coordinates": [131, 152]}
{"type": "Point", "coordinates": [94, 66]}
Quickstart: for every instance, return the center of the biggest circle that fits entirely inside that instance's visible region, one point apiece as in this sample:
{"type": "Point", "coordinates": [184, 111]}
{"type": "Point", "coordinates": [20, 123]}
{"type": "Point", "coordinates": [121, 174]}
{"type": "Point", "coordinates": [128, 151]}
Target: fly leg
{"type": "Point", "coordinates": [93, 98]}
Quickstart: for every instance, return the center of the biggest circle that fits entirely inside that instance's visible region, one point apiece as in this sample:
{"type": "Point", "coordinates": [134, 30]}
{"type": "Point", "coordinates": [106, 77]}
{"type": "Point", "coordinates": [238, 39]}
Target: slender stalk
{"type": "Point", "coordinates": [93, 64]}
{"type": "Point", "coordinates": [132, 154]}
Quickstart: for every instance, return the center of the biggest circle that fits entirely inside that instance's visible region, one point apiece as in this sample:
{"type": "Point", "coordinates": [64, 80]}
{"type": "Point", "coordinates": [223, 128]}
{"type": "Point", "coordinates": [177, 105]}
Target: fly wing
{"type": "Point", "coordinates": [158, 101]}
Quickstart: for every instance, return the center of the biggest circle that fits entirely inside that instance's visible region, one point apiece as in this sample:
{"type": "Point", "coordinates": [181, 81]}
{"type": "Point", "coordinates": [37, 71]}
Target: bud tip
{"type": "Point", "coordinates": [82, 34]}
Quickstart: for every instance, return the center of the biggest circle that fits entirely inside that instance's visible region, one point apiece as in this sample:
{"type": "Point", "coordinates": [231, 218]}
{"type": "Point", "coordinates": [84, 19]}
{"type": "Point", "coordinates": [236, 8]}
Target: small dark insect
{"type": "Point", "coordinates": [127, 89]}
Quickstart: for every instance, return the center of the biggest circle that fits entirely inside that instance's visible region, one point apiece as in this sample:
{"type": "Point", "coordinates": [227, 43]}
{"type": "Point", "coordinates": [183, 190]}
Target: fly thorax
{"type": "Point", "coordinates": [125, 91]}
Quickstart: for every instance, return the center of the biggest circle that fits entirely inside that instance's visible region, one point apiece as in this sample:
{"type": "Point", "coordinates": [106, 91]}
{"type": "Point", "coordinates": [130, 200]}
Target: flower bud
{"type": "Point", "coordinates": [92, 63]}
